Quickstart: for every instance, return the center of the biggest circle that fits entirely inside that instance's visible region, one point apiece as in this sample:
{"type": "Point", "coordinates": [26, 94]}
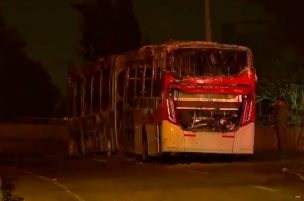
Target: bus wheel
{"type": "Point", "coordinates": [109, 146]}
{"type": "Point", "coordinates": [144, 145]}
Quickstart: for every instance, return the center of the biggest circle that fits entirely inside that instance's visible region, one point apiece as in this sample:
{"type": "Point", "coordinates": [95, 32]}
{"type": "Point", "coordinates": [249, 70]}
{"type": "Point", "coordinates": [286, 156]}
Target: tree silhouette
{"type": "Point", "coordinates": [129, 37]}
{"type": "Point", "coordinates": [289, 15]}
{"type": "Point", "coordinates": [25, 87]}
{"type": "Point", "coordinates": [107, 28]}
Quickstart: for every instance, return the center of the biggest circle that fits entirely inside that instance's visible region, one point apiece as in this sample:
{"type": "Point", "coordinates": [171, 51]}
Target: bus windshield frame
{"type": "Point", "coordinates": [211, 62]}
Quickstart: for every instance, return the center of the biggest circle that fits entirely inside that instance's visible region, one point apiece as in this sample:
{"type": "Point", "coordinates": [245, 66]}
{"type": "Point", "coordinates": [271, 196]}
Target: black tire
{"type": "Point", "coordinates": [145, 152]}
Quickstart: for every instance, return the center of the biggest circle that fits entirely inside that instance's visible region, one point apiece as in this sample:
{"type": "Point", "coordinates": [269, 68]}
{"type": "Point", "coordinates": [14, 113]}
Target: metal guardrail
{"type": "Point", "coordinates": [33, 120]}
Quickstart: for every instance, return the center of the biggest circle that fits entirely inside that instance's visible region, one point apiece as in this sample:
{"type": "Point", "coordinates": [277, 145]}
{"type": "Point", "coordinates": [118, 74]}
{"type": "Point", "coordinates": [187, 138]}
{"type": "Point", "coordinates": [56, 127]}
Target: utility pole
{"type": "Point", "coordinates": [208, 21]}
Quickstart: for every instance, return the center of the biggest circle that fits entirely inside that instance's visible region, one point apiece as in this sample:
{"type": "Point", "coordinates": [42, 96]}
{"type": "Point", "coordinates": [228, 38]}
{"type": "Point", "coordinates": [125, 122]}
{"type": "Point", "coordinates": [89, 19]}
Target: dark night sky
{"type": "Point", "coordinates": [51, 26]}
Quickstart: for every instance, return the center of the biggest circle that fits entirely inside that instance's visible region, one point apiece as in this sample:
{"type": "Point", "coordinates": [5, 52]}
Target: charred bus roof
{"type": "Point", "coordinates": [156, 51]}
{"type": "Point", "coordinates": [171, 45]}
{"type": "Point", "coordinates": [96, 66]}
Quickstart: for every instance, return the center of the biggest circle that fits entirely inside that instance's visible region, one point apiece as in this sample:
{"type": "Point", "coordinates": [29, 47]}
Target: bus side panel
{"type": "Point", "coordinates": [244, 140]}
{"type": "Point", "coordinates": [172, 138]}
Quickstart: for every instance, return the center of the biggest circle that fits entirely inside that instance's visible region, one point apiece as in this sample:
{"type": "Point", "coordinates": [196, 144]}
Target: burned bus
{"type": "Point", "coordinates": [176, 97]}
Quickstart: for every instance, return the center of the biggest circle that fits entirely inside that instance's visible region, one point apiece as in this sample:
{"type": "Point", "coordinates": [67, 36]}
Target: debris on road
{"type": "Point", "coordinates": [7, 193]}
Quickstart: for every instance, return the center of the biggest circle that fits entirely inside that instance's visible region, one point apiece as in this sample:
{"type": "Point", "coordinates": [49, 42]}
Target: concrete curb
{"type": "Point", "coordinates": [282, 162]}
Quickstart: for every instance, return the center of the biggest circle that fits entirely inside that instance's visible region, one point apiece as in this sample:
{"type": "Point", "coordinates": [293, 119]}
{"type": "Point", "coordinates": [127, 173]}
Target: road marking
{"type": "Point", "coordinates": [294, 173]}
{"type": "Point", "coordinates": [65, 188]}
{"type": "Point", "coordinates": [266, 188]}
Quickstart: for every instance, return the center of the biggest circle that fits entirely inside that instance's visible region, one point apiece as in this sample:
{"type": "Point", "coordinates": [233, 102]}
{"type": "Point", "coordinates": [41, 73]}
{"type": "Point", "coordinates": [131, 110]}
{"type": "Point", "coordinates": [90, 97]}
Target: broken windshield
{"type": "Point", "coordinates": [207, 62]}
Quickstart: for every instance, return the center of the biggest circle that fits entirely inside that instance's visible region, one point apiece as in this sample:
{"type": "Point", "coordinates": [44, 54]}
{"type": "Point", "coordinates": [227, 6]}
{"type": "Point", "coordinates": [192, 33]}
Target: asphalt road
{"type": "Point", "coordinates": [98, 178]}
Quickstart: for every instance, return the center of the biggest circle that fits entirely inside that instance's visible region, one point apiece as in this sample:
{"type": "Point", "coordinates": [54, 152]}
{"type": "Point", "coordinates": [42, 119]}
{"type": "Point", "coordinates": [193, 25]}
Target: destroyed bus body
{"type": "Point", "coordinates": [192, 97]}
{"type": "Point", "coordinates": [90, 107]}
{"type": "Point", "coordinates": [186, 97]}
